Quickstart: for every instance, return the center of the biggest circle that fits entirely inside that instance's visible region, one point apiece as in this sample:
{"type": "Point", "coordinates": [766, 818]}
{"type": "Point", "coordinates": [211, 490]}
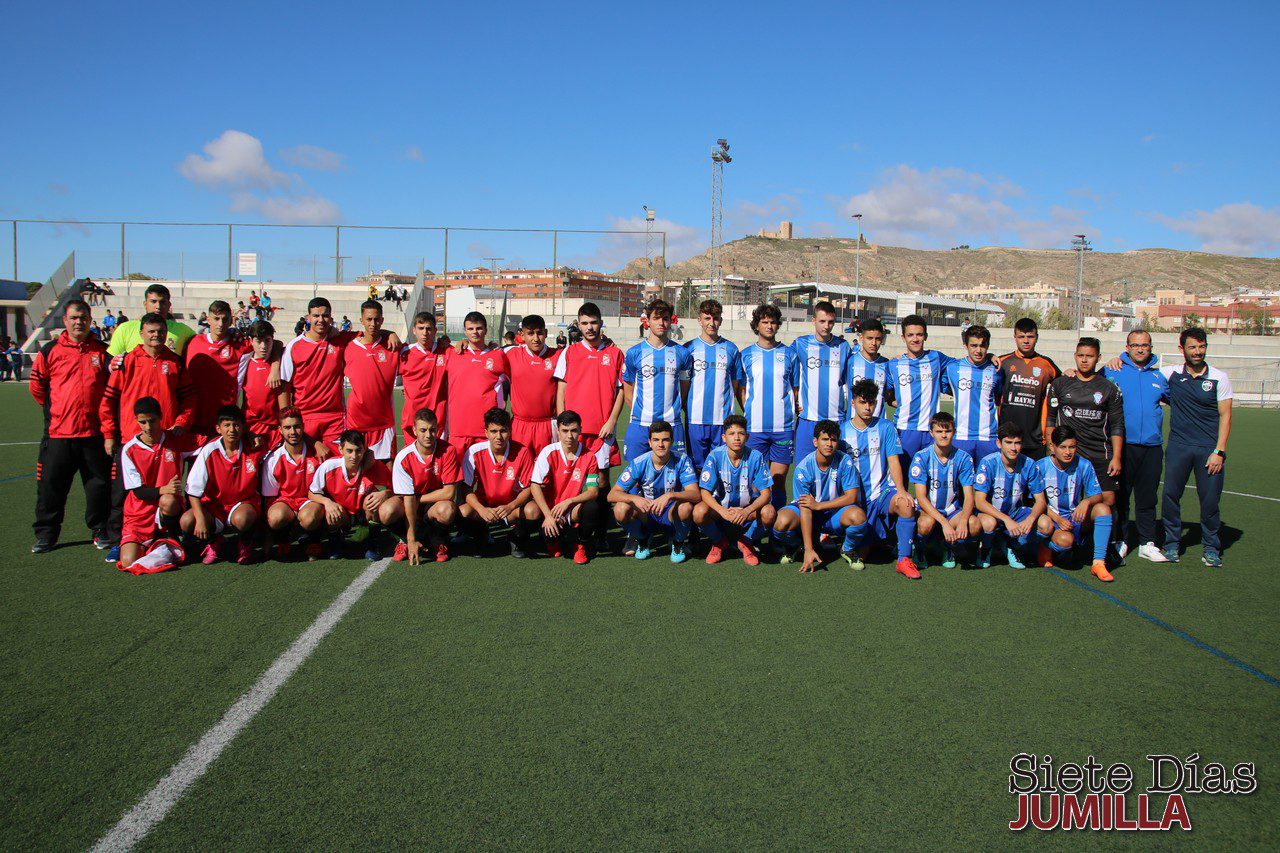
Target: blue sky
{"type": "Point", "coordinates": [1141, 124]}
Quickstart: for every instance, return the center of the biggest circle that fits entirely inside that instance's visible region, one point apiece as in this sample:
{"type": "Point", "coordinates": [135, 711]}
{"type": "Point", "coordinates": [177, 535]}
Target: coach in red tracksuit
{"type": "Point", "coordinates": [68, 376]}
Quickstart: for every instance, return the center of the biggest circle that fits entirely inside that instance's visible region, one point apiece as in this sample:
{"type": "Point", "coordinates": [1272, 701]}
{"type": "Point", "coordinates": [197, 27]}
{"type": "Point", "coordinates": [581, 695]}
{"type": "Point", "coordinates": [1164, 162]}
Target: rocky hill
{"type": "Point", "coordinates": [901, 269]}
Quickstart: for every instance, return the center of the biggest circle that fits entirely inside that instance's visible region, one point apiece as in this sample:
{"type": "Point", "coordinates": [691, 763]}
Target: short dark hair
{"type": "Point", "coordinates": [660, 308]}
{"type": "Point", "coordinates": [476, 317]}
{"type": "Point", "coordinates": [589, 309]}
{"type": "Point", "coordinates": [147, 406]}
{"type": "Point", "coordinates": [735, 421]}
{"type": "Point", "coordinates": [659, 427]}
{"type": "Point", "coordinates": [371, 304]}
{"type": "Point", "coordinates": [424, 317]}
{"type": "Point", "coordinates": [151, 318]}
{"type": "Point", "coordinates": [711, 307]}
{"type": "Point", "coordinates": [289, 412]}
{"type": "Point", "coordinates": [159, 289]}
{"type": "Point", "coordinates": [261, 330]}
{"type": "Point", "coordinates": [826, 427]}
{"type": "Point", "coordinates": [1090, 342]}
{"type": "Point", "coordinates": [976, 331]}
{"type": "Point", "coordinates": [1009, 429]}
{"type": "Point", "coordinates": [758, 313]}
{"type": "Point", "coordinates": [1061, 433]}
{"type": "Point", "coordinates": [78, 303]}
{"type": "Point", "coordinates": [871, 326]}
{"type": "Point", "coordinates": [865, 389]}
{"type": "Point", "coordinates": [427, 416]}
{"type": "Point", "coordinates": [942, 419]}
{"type": "Point", "coordinates": [319, 302]}
{"type": "Point", "coordinates": [825, 307]}
{"type": "Point", "coordinates": [1195, 333]}
{"type": "Point", "coordinates": [1026, 324]}
{"type": "Point", "coordinates": [498, 417]}
{"type": "Point", "coordinates": [914, 320]}
{"type": "Point", "coordinates": [533, 322]}
{"type": "Point", "coordinates": [229, 412]}
{"type": "Point", "coordinates": [568, 418]}
{"type": "Point", "coordinates": [220, 306]}
{"type": "Point", "coordinates": [354, 437]}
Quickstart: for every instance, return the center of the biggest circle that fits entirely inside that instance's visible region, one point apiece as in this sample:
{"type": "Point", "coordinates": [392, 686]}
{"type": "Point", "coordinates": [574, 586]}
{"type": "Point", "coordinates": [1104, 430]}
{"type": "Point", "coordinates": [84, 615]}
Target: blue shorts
{"type": "Point", "coordinates": [804, 437]}
{"type": "Point", "coordinates": [1077, 532]}
{"type": "Point", "coordinates": [913, 441]}
{"type": "Point", "coordinates": [827, 521]}
{"type": "Point", "coordinates": [881, 519]}
{"type": "Point", "coordinates": [636, 441]}
{"type": "Point", "coordinates": [978, 448]}
{"type": "Point", "coordinates": [702, 438]}
{"type": "Point", "coordinates": [774, 446]}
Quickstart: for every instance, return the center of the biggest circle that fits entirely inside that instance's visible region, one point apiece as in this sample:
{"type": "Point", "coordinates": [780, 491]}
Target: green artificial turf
{"type": "Point", "coordinates": [496, 703]}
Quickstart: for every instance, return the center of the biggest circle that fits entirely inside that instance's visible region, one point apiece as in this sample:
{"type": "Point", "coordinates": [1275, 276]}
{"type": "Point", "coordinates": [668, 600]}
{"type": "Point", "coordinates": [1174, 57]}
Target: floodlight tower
{"type": "Point", "coordinates": [719, 156]}
{"type": "Point", "coordinates": [1080, 245]}
{"type": "Point", "coordinates": [649, 215]}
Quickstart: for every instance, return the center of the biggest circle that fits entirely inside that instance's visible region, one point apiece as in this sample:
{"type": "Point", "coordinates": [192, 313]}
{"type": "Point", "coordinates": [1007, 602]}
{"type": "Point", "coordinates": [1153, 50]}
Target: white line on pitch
{"type": "Point", "coordinates": [1242, 494]}
{"type": "Point", "coordinates": [151, 809]}
{"type": "Point", "coordinates": [16, 443]}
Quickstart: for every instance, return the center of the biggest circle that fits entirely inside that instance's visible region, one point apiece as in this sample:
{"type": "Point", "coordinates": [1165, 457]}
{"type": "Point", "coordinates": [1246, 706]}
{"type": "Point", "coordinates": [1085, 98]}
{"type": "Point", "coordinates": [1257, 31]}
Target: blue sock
{"type": "Point", "coordinates": [987, 539]}
{"type": "Point", "coordinates": [906, 529]}
{"type": "Point", "coordinates": [790, 539]}
{"type": "Point", "coordinates": [778, 497]}
{"type": "Point", "coordinates": [635, 529]}
{"type": "Point", "coordinates": [853, 536]}
{"type": "Point", "coordinates": [1101, 536]}
{"type": "Point", "coordinates": [679, 529]}
{"type": "Point", "coordinates": [752, 532]}
{"type": "Point", "coordinates": [712, 531]}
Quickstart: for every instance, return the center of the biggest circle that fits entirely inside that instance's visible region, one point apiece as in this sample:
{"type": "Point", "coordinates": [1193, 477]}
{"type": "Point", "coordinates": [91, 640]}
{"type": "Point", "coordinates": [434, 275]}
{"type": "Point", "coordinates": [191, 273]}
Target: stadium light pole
{"type": "Point", "coordinates": [857, 266]}
{"type": "Point", "coordinates": [817, 275]}
{"type": "Point", "coordinates": [1081, 245]}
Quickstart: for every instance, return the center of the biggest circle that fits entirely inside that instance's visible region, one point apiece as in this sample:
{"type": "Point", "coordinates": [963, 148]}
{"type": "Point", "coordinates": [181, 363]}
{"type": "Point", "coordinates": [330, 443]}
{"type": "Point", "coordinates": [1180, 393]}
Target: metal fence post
{"type": "Point", "coordinates": [337, 254]}
{"type": "Point", "coordinates": [122, 276]}
{"type": "Point", "coordinates": [555, 271]}
{"type": "Point", "coordinates": [15, 250]}
{"type": "Point", "coordinates": [230, 277]}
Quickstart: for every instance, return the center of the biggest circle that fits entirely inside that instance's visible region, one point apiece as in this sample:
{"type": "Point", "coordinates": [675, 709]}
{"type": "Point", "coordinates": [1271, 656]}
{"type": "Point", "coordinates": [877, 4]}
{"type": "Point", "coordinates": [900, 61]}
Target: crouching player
{"type": "Point", "coordinates": [151, 467]}
{"type": "Point", "coordinates": [1074, 502]}
{"type": "Point", "coordinates": [943, 483]}
{"type": "Point", "coordinates": [564, 488]}
{"type": "Point", "coordinates": [824, 491]}
{"type": "Point", "coordinates": [350, 493]}
{"type": "Point", "coordinates": [223, 489]}
{"type": "Point", "coordinates": [658, 489]}
{"type": "Point", "coordinates": [737, 489]}
{"type": "Point", "coordinates": [1003, 483]}
{"type": "Point", "coordinates": [497, 475]}
{"type": "Point", "coordinates": [287, 471]}
{"type": "Point", "coordinates": [426, 475]}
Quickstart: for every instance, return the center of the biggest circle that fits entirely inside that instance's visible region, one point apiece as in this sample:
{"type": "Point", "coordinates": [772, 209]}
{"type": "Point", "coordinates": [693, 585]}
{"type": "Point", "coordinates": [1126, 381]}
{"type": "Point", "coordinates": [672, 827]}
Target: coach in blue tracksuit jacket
{"type": "Point", "coordinates": [1143, 388]}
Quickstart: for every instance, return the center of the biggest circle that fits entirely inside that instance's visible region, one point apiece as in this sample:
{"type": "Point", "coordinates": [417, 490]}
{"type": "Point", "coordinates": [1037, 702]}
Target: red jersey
{"type": "Point", "coordinates": [564, 476]}
{"type": "Point", "coordinates": [222, 478]}
{"type": "Point", "coordinates": [592, 378]}
{"type": "Point", "coordinates": [497, 482]}
{"type": "Point", "coordinates": [422, 373]}
{"type": "Point", "coordinates": [68, 380]}
{"type": "Point", "coordinates": [261, 403]}
{"type": "Point", "coordinates": [147, 466]}
{"type": "Point", "coordinates": [349, 492]}
{"type": "Point", "coordinates": [288, 478]}
{"type": "Point", "coordinates": [476, 382]}
{"type": "Point", "coordinates": [371, 370]}
{"type": "Point", "coordinates": [214, 368]}
{"type": "Point", "coordinates": [533, 383]}
{"type": "Point", "coordinates": [162, 376]}
{"type": "Point", "coordinates": [314, 369]}
{"type": "Point", "coordinates": [415, 474]}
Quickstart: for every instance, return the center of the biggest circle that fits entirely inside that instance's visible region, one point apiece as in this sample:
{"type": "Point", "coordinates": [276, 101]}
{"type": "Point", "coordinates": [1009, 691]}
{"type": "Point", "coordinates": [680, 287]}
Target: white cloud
{"type": "Point", "coordinates": [314, 157]}
{"type": "Point", "coordinates": [1241, 228]}
{"type": "Point", "coordinates": [290, 209]}
{"type": "Point", "coordinates": [615, 251]}
{"type": "Point", "coordinates": [413, 153]}
{"type": "Point", "coordinates": [234, 159]}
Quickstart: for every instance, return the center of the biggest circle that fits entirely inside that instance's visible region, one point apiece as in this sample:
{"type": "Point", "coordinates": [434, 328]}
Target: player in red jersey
{"type": "Point", "coordinates": [263, 402]}
{"type": "Point", "coordinates": [497, 473]}
{"type": "Point", "coordinates": [477, 373]}
{"type": "Point", "coordinates": [213, 363]}
{"type": "Point", "coordinates": [533, 385]}
{"type": "Point", "coordinates": [287, 472]}
{"type": "Point", "coordinates": [371, 367]}
{"type": "Point", "coordinates": [426, 475]}
{"type": "Point", "coordinates": [351, 492]}
{"type": "Point", "coordinates": [223, 489]}
{"type": "Point", "coordinates": [423, 366]}
{"type": "Point", "coordinates": [565, 486]}
{"type": "Point", "coordinates": [152, 474]}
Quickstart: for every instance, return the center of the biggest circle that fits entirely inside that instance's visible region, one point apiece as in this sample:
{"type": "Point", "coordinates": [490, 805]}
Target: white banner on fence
{"type": "Point", "coordinates": [248, 263]}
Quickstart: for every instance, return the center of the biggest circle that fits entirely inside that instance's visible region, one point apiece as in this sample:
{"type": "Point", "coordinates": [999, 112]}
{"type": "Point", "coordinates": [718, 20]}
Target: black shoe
{"type": "Point", "coordinates": [517, 549]}
{"type": "Point", "coordinates": [42, 546]}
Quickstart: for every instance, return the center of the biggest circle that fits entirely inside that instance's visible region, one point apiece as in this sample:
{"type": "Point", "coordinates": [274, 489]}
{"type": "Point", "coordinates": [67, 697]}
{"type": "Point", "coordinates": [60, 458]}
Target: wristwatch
{"type": "Point", "coordinates": [1221, 453]}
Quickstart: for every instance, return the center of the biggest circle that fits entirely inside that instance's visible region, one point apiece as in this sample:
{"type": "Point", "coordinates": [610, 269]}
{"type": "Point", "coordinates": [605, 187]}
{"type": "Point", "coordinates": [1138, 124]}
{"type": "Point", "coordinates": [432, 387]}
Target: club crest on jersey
{"type": "Point", "coordinates": [1206, 385]}
{"type": "Point", "coordinates": [164, 368]}
{"type": "Point", "coordinates": [604, 359]}
{"type": "Point", "coordinates": [488, 364]}
{"type": "Point", "coordinates": [546, 364]}
{"type": "Point", "coordinates": [1035, 371]}
{"type": "Point", "coordinates": [439, 361]}
{"type": "Point", "coordinates": [249, 467]}
{"type": "Point", "coordinates": [1066, 412]}
{"type": "Point", "coordinates": [1097, 398]}
{"type": "Point", "coordinates": [168, 456]}
{"type": "Point", "coordinates": [382, 356]}
{"type": "Point", "coordinates": [95, 360]}
{"type": "Point", "coordinates": [226, 352]}
{"type": "Point", "coordinates": [330, 349]}
{"type": "Point", "coordinates": [511, 473]}
{"type": "Point", "coordinates": [577, 475]}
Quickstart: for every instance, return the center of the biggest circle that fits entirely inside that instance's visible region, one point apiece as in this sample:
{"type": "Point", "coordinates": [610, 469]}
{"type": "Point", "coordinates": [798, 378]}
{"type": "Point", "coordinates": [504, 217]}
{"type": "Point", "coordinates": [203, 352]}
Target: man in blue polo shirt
{"type": "Point", "coordinates": [1200, 421]}
{"type": "Point", "coordinates": [1137, 375]}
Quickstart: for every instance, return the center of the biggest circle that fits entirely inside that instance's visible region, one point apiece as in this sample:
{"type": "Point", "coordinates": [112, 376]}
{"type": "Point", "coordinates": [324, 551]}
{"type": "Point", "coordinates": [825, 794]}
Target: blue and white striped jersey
{"type": "Point", "coordinates": [877, 370]}
{"type": "Point", "coordinates": [945, 479]}
{"type": "Point", "coordinates": [976, 389]}
{"type": "Point", "coordinates": [809, 479]}
{"type": "Point", "coordinates": [735, 486]}
{"type": "Point", "coordinates": [769, 375]}
{"type": "Point", "coordinates": [657, 374]}
{"type": "Point", "coordinates": [711, 391]}
{"type": "Point", "coordinates": [917, 386]}
{"type": "Point", "coordinates": [1066, 487]}
{"type": "Point", "coordinates": [870, 449]}
{"type": "Point", "coordinates": [1008, 489]}
{"type": "Point", "coordinates": [642, 477]}
{"type": "Point", "coordinates": [822, 375]}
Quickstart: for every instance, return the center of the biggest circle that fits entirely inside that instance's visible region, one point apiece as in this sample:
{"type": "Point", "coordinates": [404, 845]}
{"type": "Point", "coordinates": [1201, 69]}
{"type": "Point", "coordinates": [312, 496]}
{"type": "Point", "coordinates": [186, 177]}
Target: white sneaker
{"type": "Point", "coordinates": [1122, 549]}
{"type": "Point", "coordinates": [1148, 551]}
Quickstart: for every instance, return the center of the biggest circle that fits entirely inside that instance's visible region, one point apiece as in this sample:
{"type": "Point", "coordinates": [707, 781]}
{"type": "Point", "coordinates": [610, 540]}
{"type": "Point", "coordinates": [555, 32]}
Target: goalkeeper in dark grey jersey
{"type": "Point", "coordinates": [1091, 404]}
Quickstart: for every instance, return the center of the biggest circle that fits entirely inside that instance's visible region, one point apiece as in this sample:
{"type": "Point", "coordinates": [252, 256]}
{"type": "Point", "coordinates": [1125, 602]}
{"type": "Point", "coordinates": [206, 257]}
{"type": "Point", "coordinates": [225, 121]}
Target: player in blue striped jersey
{"type": "Point", "coordinates": [942, 478]}
{"type": "Point", "coordinates": [712, 389]}
{"type": "Point", "coordinates": [917, 386]}
{"type": "Point", "coordinates": [736, 487]}
{"type": "Point", "coordinates": [657, 490]}
{"type": "Point", "coordinates": [655, 378]}
{"type": "Point", "coordinates": [824, 492]}
{"type": "Point", "coordinates": [975, 383]}
{"type": "Point", "coordinates": [1074, 502]}
{"type": "Point", "coordinates": [872, 443]}
{"type": "Point", "coordinates": [866, 362]}
{"type": "Point", "coordinates": [768, 374]}
{"type": "Point", "coordinates": [1004, 481]}
{"type": "Point", "coordinates": [823, 359]}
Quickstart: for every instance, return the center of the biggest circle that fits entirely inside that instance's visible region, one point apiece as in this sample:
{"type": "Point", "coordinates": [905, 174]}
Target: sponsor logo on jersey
{"type": "Point", "coordinates": [981, 478]}
{"type": "Point", "coordinates": [1066, 411]}
{"type": "Point", "coordinates": [966, 384]}
{"type": "Point", "coordinates": [706, 476]}
{"type": "Point", "coordinates": [915, 471]}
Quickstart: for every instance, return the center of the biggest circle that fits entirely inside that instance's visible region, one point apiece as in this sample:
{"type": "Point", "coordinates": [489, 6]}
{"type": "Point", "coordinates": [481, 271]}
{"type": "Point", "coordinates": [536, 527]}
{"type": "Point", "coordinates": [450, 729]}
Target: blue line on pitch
{"type": "Point", "coordinates": [19, 477]}
{"type": "Point", "coordinates": [1177, 632]}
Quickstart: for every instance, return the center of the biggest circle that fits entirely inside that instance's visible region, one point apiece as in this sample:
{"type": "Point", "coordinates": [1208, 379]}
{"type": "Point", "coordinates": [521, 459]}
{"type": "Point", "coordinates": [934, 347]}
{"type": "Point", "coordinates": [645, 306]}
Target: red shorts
{"type": "Point", "coordinates": [533, 434]}
{"type": "Point", "coordinates": [294, 504]}
{"type": "Point", "coordinates": [270, 433]}
{"type": "Point", "coordinates": [140, 524]}
{"type": "Point", "coordinates": [606, 453]}
{"type": "Point", "coordinates": [219, 513]}
{"type": "Point", "coordinates": [462, 442]}
{"type": "Point", "coordinates": [326, 426]}
{"type": "Point", "coordinates": [382, 443]}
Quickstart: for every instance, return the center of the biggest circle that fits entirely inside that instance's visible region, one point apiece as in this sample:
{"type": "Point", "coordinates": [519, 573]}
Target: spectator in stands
{"type": "Point", "coordinates": [266, 306]}
{"type": "Point", "coordinates": [509, 339]}
{"type": "Point", "coordinates": [255, 304]}
{"type": "Point", "coordinates": [302, 325]}
{"type": "Point", "coordinates": [108, 325]}
{"type": "Point", "coordinates": [14, 355]}
{"type": "Point", "coordinates": [575, 334]}
{"type": "Point", "coordinates": [128, 335]}
{"type": "Point", "coordinates": [5, 370]}
{"type": "Point", "coordinates": [346, 323]}
{"type": "Point", "coordinates": [95, 330]}
{"type": "Point", "coordinates": [373, 290]}
{"type": "Point", "coordinates": [562, 340]}
{"type": "Point", "coordinates": [90, 291]}
{"type": "Point", "coordinates": [202, 325]}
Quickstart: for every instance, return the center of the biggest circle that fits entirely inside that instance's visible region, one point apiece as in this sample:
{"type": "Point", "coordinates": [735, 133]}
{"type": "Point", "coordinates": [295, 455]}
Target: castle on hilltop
{"type": "Point", "coordinates": [783, 232]}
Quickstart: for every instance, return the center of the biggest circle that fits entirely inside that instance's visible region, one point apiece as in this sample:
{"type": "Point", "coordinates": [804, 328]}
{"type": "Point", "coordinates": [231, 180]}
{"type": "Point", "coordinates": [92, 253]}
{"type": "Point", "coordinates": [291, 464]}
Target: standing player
{"type": "Point", "coordinates": [1074, 502]}
{"type": "Point", "coordinates": [975, 383]}
{"type": "Point", "coordinates": [824, 492]}
{"type": "Point", "coordinates": [533, 386]}
{"type": "Point", "coordinates": [866, 362]}
{"type": "Point", "coordinates": [477, 375]}
{"type": "Point", "coordinates": [152, 474]}
{"type": "Point", "coordinates": [1026, 375]}
{"type": "Point", "coordinates": [223, 489]}
{"type": "Point", "coordinates": [423, 367]}
{"type": "Point", "coordinates": [655, 378]}
{"type": "Point", "coordinates": [425, 476]}
{"type": "Point", "coordinates": [213, 363]}
{"type": "Point", "coordinates": [313, 365]}
{"type": "Point", "coordinates": [736, 488]}
{"type": "Point", "coordinates": [128, 335]}
{"type": "Point", "coordinates": [712, 388]}
{"type": "Point", "coordinates": [497, 473]}
{"type": "Point", "coordinates": [263, 403]}
{"type": "Point", "coordinates": [823, 362]}
{"type": "Point", "coordinates": [917, 381]}
{"type": "Point", "coordinates": [564, 487]}
{"type": "Point", "coordinates": [351, 490]}
{"type": "Point", "coordinates": [767, 383]}
{"type": "Point", "coordinates": [287, 472]}
{"type": "Point", "coordinates": [658, 489]}
{"type": "Point", "coordinates": [1000, 490]}
{"type": "Point", "coordinates": [370, 366]}
{"type": "Point", "coordinates": [872, 443]}
{"type": "Point", "coordinates": [943, 481]}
